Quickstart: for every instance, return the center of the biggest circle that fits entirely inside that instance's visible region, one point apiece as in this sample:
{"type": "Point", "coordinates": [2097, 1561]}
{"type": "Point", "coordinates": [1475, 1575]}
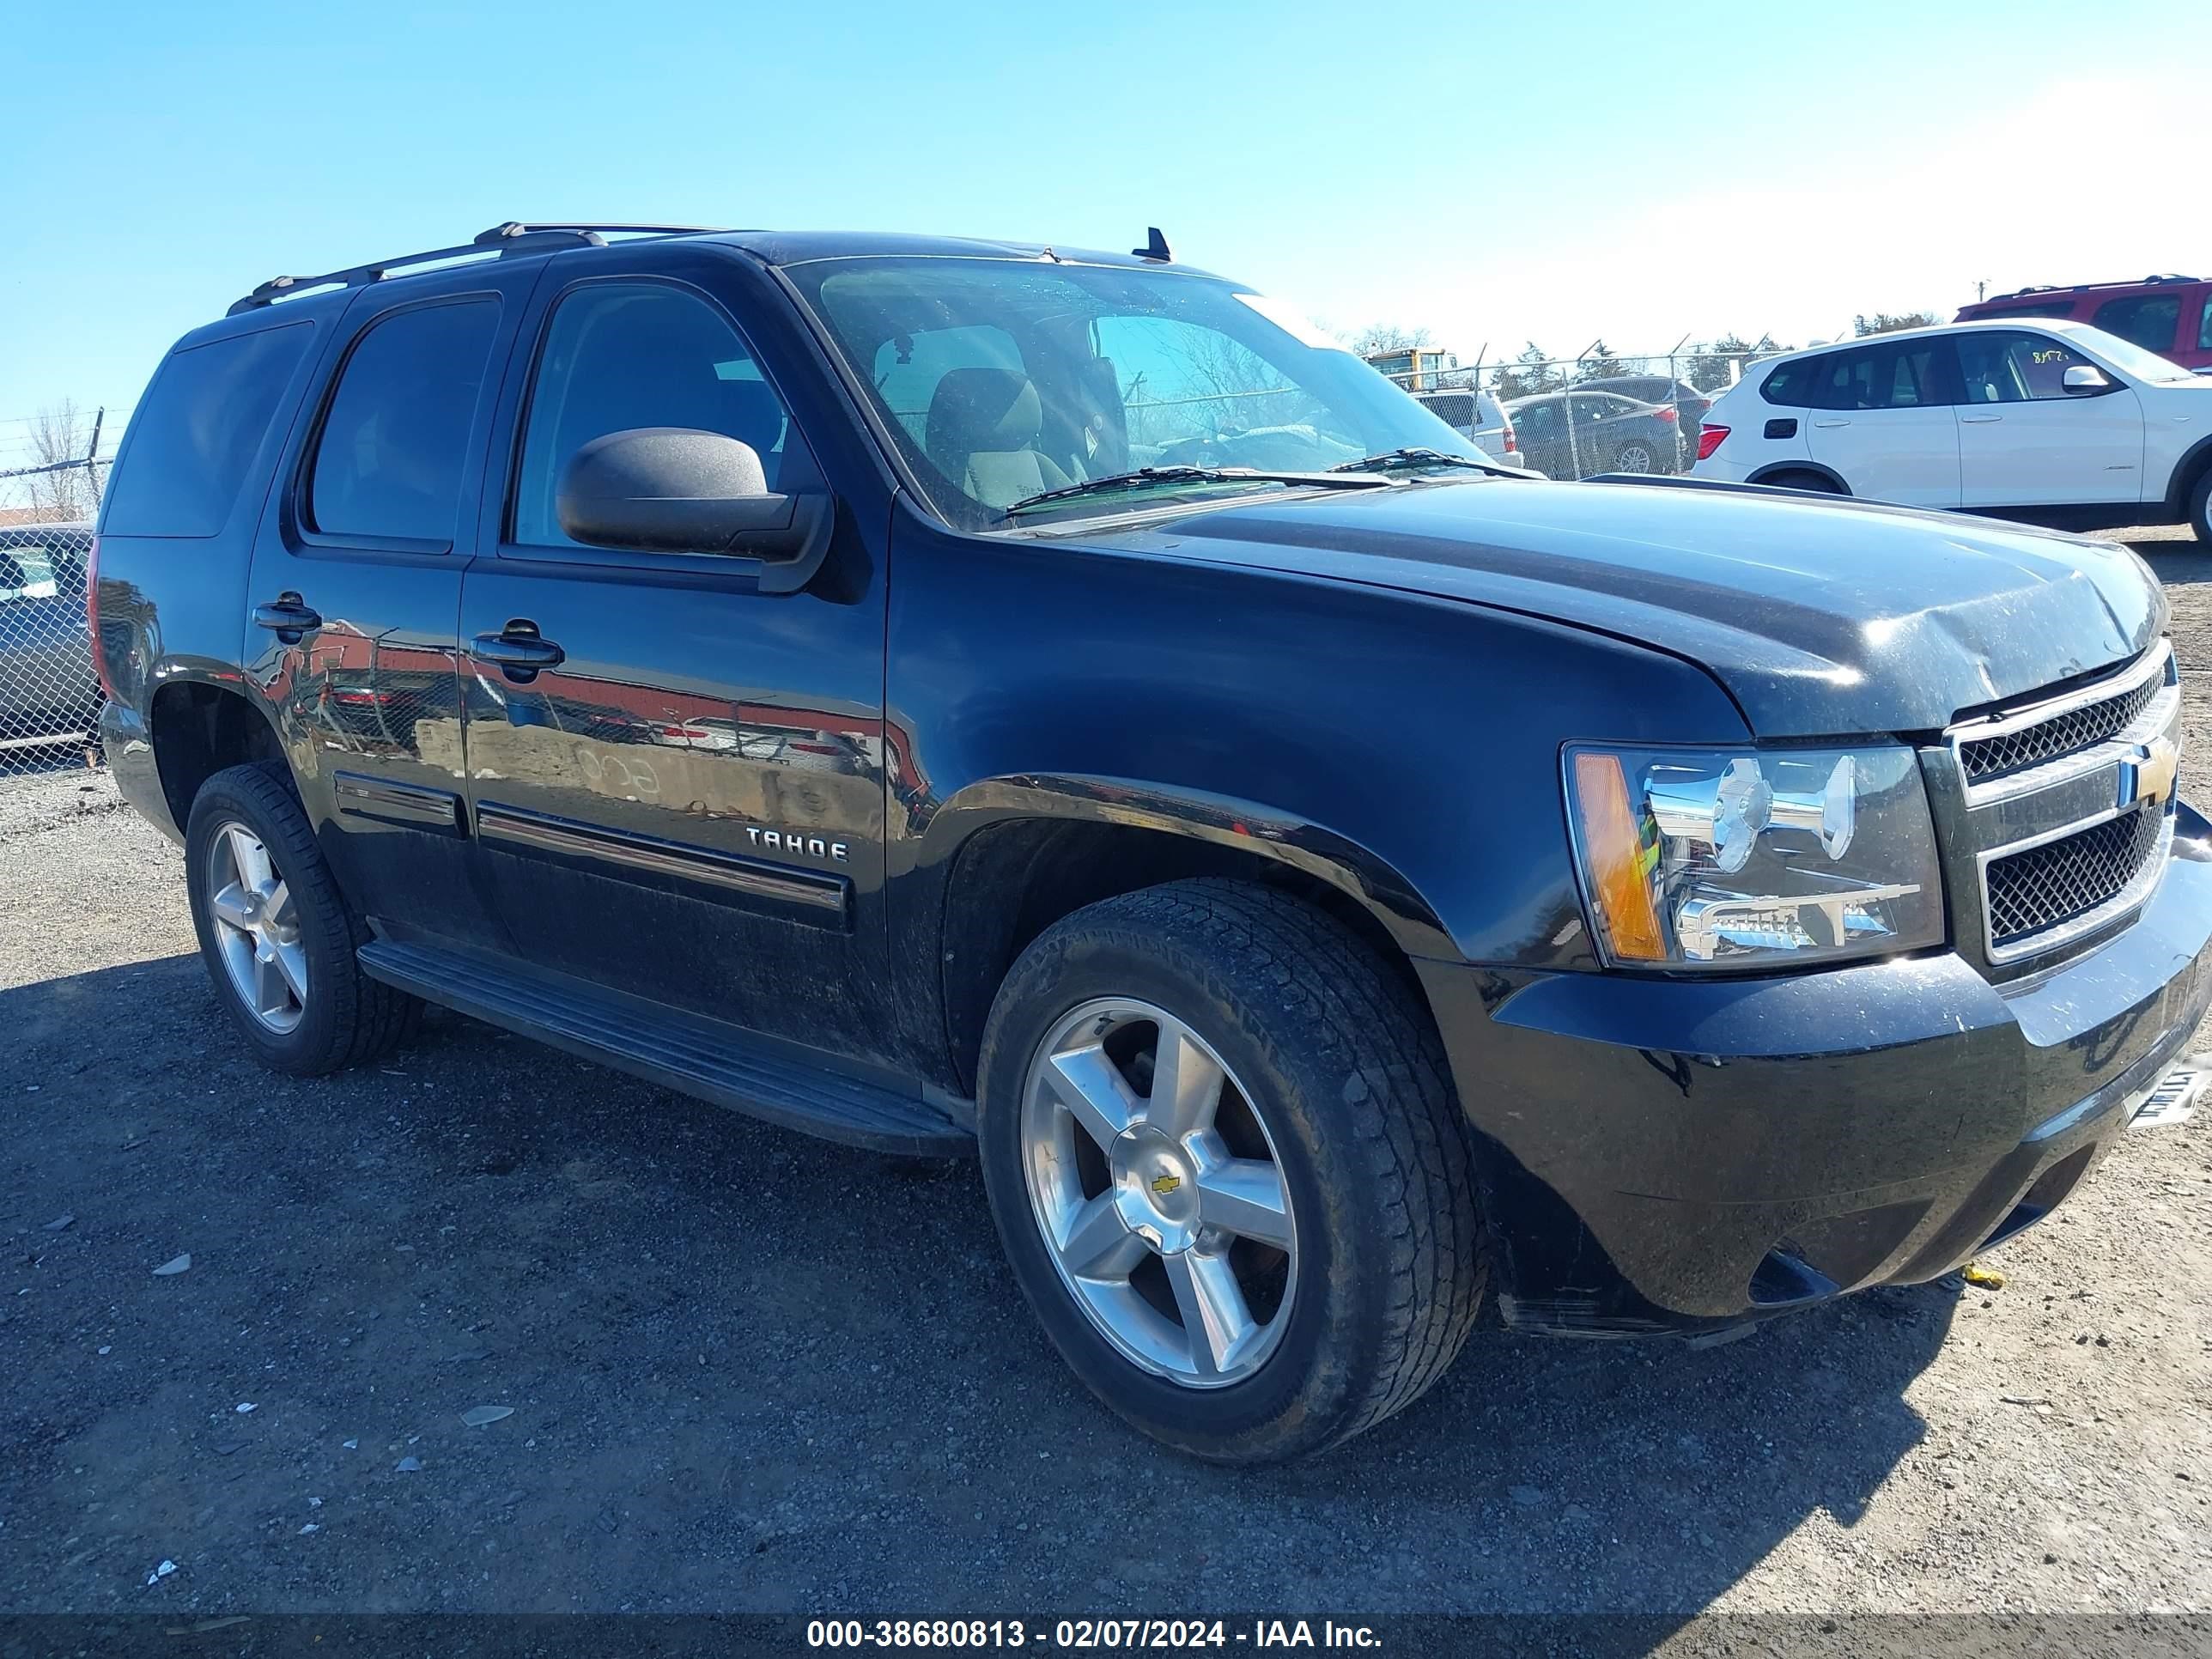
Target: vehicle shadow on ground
{"type": "Point", "coordinates": [746, 1370]}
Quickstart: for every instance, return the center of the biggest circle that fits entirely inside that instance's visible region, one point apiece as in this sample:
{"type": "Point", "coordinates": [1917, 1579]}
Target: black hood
{"type": "Point", "coordinates": [1820, 617]}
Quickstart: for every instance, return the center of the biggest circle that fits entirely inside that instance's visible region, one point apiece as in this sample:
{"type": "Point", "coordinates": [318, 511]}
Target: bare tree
{"type": "Point", "coordinates": [1391, 336]}
{"type": "Point", "coordinates": [62, 434]}
{"type": "Point", "coordinates": [1883, 322]}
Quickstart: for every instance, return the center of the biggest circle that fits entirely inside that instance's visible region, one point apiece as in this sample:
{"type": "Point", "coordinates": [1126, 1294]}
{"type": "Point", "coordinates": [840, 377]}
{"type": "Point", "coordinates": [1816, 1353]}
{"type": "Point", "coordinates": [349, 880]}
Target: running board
{"type": "Point", "coordinates": [694, 1055]}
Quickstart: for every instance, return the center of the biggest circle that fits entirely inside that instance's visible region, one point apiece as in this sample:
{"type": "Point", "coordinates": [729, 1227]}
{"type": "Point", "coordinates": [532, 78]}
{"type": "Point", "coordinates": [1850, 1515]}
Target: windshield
{"type": "Point", "coordinates": [1001, 379]}
{"type": "Point", "coordinates": [2132, 359]}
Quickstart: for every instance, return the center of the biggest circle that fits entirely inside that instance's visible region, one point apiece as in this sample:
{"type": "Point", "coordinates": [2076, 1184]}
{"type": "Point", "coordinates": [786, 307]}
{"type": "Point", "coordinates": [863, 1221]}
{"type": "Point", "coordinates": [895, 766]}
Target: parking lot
{"type": "Point", "coordinates": [748, 1371]}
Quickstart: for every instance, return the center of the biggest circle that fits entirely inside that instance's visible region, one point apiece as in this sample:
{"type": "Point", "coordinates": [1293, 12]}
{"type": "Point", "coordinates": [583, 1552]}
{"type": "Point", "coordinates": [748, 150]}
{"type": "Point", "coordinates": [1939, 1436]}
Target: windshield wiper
{"type": "Point", "coordinates": [1146, 476]}
{"type": "Point", "coordinates": [1391, 460]}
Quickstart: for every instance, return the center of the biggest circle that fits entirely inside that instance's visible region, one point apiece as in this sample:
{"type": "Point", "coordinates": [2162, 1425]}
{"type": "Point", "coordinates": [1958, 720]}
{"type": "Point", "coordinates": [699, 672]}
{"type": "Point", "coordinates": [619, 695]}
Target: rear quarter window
{"type": "Point", "coordinates": [196, 430]}
{"type": "Point", "coordinates": [1786, 385]}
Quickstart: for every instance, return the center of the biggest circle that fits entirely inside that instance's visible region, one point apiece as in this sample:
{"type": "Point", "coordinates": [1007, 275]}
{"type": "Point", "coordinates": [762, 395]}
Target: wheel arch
{"type": "Point", "coordinates": [197, 728]}
{"type": "Point", "coordinates": [2195, 462]}
{"type": "Point", "coordinates": [1765, 475]}
{"type": "Point", "coordinates": [1015, 855]}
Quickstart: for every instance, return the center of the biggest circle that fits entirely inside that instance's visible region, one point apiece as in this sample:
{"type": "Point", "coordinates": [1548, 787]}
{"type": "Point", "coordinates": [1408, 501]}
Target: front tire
{"type": "Point", "coordinates": [2200, 508]}
{"type": "Point", "coordinates": [1266, 1242]}
{"type": "Point", "coordinates": [276, 934]}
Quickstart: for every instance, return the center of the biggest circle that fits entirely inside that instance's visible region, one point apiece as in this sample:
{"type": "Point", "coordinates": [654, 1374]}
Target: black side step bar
{"type": "Point", "coordinates": [694, 1055]}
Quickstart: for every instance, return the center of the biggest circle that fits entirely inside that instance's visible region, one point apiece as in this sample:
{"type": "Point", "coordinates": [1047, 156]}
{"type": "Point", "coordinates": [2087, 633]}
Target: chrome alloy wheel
{"type": "Point", "coordinates": [1634, 458]}
{"type": "Point", "coordinates": [257, 928]}
{"type": "Point", "coordinates": [1159, 1192]}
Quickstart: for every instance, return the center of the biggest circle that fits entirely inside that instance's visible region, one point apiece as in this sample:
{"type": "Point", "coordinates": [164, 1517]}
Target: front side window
{"type": "Point", "coordinates": [393, 447]}
{"type": "Point", "coordinates": [999, 379]}
{"type": "Point", "coordinates": [2009, 368]}
{"type": "Point", "coordinates": [621, 356]}
{"type": "Point", "coordinates": [2149, 320]}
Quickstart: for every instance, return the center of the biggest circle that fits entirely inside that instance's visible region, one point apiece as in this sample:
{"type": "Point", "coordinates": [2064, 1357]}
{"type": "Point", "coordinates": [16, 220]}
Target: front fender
{"type": "Point", "coordinates": [1224, 821]}
{"type": "Point", "coordinates": [1403, 747]}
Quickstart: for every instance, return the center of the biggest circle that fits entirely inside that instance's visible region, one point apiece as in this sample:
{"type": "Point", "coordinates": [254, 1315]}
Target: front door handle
{"type": "Point", "coordinates": [1979, 420]}
{"type": "Point", "coordinates": [519, 649]}
{"type": "Point", "coordinates": [287, 617]}
{"type": "Point", "coordinates": [1817, 423]}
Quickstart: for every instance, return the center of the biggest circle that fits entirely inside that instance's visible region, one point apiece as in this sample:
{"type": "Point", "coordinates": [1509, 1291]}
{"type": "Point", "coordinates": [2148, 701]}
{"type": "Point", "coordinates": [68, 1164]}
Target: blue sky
{"type": "Point", "coordinates": [1545, 171]}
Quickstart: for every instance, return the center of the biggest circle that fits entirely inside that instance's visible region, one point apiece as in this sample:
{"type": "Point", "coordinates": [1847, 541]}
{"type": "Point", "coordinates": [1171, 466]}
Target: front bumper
{"type": "Point", "coordinates": [1683, 1155]}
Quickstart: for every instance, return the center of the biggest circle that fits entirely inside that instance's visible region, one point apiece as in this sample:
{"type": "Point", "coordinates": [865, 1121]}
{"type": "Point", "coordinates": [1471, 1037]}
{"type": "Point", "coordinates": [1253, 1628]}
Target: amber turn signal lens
{"type": "Point", "coordinates": [1613, 846]}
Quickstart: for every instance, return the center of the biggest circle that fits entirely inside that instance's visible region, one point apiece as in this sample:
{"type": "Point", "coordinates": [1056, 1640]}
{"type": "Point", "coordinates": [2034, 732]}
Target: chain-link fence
{"type": "Point", "coordinates": [1576, 417]}
{"type": "Point", "coordinates": [49, 694]}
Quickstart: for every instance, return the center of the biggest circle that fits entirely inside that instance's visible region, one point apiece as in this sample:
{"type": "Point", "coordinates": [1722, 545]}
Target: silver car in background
{"type": "Point", "coordinates": [1481, 418]}
{"type": "Point", "coordinates": [48, 692]}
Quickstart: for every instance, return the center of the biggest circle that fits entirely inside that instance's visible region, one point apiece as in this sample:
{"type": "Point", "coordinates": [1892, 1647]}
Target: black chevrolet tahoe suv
{"type": "Point", "coordinates": [948, 696]}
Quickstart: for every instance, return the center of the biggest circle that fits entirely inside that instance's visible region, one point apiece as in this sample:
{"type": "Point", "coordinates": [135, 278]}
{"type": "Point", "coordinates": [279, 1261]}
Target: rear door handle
{"type": "Point", "coordinates": [519, 649]}
{"type": "Point", "coordinates": [1832, 423]}
{"type": "Point", "coordinates": [1979, 419]}
{"type": "Point", "coordinates": [287, 617]}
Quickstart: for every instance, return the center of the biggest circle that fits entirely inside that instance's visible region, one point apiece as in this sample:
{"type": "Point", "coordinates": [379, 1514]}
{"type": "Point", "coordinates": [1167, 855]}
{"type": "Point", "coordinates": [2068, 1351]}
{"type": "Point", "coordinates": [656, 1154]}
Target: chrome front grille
{"type": "Point", "coordinates": [2065, 733]}
{"type": "Point", "coordinates": [2047, 885]}
{"type": "Point", "coordinates": [2067, 807]}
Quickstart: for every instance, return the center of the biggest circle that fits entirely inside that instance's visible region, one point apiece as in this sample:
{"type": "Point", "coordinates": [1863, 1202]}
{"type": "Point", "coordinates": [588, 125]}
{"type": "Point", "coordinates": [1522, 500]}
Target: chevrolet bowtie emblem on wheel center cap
{"type": "Point", "coordinates": [1164, 1184]}
{"type": "Point", "coordinates": [2148, 778]}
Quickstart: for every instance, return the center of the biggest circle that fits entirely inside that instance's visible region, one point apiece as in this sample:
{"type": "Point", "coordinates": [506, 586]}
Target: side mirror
{"type": "Point", "coordinates": [673, 490]}
{"type": "Point", "coordinates": [2081, 379]}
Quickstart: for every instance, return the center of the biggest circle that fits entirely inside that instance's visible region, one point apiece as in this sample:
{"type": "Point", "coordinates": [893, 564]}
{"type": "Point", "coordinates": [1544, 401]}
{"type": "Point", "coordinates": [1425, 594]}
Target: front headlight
{"type": "Point", "coordinates": [1744, 859]}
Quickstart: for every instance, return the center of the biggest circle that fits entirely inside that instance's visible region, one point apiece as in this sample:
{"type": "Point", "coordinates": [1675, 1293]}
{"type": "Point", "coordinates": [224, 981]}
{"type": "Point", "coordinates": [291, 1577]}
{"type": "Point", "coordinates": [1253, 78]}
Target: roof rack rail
{"type": "Point", "coordinates": [2156, 279]}
{"type": "Point", "coordinates": [515, 236]}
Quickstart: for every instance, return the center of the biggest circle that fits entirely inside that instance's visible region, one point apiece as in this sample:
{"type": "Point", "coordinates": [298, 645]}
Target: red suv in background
{"type": "Point", "coordinates": [2170, 315]}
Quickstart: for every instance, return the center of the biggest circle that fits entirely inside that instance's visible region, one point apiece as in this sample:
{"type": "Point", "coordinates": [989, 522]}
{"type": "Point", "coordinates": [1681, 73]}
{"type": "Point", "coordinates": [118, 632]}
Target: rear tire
{"type": "Point", "coordinates": [1637, 457]}
{"type": "Point", "coordinates": [276, 934]}
{"type": "Point", "coordinates": [2200, 507]}
{"type": "Point", "coordinates": [1333, 1100]}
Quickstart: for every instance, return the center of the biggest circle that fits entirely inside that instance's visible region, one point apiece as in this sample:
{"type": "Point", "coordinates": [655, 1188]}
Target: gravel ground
{"type": "Point", "coordinates": [725, 1394]}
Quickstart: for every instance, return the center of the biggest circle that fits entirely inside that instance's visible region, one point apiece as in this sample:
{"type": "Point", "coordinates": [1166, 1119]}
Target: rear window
{"type": "Point", "coordinates": [196, 431]}
{"type": "Point", "coordinates": [25, 573]}
{"type": "Point", "coordinates": [2041, 308]}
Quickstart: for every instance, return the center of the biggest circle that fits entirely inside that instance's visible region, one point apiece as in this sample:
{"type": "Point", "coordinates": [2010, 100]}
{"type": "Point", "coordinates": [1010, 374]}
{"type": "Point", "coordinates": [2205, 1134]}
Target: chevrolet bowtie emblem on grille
{"type": "Point", "coordinates": [1165, 1184]}
{"type": "Point", "coordinates": [2148, 779]}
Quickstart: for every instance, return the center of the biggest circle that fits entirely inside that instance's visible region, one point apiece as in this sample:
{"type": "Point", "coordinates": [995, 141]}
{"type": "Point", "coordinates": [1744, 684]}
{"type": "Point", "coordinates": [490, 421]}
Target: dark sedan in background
{"type": "Point", "coordinates": [1610, 434]}
{"type": "Point", "coordinates": [1688, 403]}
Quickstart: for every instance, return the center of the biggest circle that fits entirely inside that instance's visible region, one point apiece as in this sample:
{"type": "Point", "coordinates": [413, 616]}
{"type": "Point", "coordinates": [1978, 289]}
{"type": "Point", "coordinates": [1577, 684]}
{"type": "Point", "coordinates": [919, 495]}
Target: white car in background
{"type": "Point", "coordinates": [2047, 421]}
{"type": "Point", "coordinates": [1477, 415]}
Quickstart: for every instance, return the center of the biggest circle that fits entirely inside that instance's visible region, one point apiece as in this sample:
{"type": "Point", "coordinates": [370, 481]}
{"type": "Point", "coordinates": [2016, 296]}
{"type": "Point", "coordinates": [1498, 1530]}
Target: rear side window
{"type": "Point", "coordinates": [203, 418]}
{"type": "Point", "coordinates": [2148, 319]}
{"type": "Point", "coordinates": [1903, 375]}
{"type": "Point", "coordinates": [389, 462]}
{"type": "Point", "coordinates": [2204, 328]}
